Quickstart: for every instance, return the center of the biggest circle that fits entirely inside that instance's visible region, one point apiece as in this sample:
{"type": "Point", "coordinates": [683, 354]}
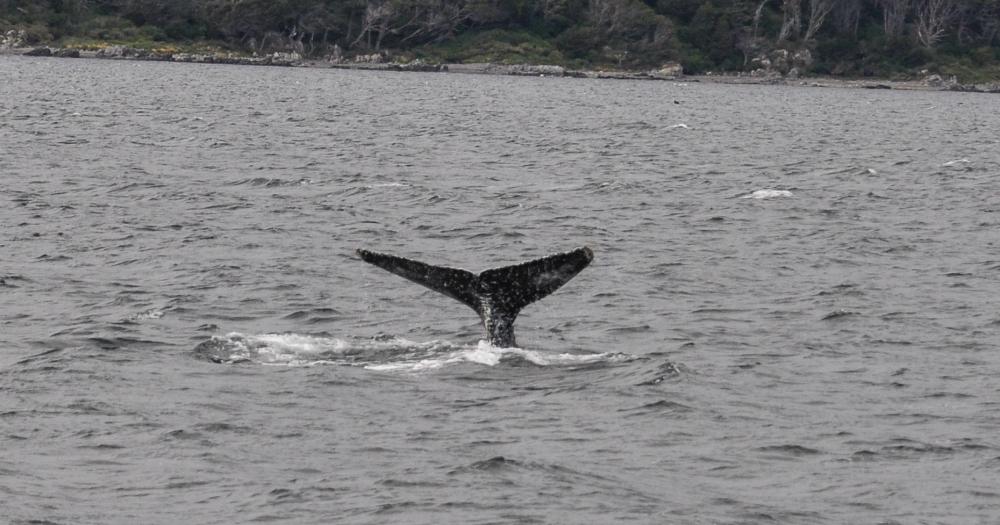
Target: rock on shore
{"type": "Point", "coordinates": [13, 39]}
{"type": "Point", "coordinates": [488, 68]}
{"type": "Point", "coordinates": [39, 52]}
{"type": "Point", "coordinates": [669, 71]}
{"type": "Point", "coordinates": [274, 59]}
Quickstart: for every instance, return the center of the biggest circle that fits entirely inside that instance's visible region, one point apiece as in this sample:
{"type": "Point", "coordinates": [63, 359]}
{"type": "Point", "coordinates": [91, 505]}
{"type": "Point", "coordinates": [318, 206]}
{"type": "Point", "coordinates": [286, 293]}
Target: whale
{"type": "Point", "coordinates": [497, 294]}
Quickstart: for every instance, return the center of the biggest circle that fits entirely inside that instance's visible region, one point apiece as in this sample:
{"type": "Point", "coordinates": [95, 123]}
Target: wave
{"type": "Point", "coordinates": [381, 354]}
{"type": "Point", "coordinates": [767, 194]}
{"type": "Point", "coordinates": [269, 182]}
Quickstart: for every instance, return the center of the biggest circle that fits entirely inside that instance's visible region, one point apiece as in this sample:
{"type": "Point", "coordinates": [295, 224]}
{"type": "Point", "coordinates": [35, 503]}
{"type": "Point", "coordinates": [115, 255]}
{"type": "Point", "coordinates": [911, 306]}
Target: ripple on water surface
{"type": "Point", "coordinates": [790, 317]}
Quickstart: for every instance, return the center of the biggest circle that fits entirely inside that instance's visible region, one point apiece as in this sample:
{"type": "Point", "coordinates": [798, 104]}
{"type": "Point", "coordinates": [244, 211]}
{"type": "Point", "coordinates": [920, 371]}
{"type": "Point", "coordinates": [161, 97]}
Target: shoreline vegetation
{"type": "Point", "coordinates": [672, 72]}
{"type": "Point", "coordinates": [901, 44]}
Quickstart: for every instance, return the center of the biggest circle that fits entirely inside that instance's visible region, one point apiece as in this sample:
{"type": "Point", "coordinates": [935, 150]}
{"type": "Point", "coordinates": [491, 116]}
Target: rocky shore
{"type": "Point", "coordinates": [777, 70]}
{"type": "Point", "coordinates": [130, 53]}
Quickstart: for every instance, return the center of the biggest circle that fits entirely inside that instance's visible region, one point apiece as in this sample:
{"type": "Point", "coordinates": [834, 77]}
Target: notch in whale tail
{"type": "Point", "coordinates": [497, 295]}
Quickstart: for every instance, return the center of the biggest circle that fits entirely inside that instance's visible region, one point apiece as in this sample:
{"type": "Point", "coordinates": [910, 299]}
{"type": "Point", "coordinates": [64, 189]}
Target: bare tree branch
{"type": "Point", "coordinates": [818, 11]}
{"type": "Point", "coordinates": [933, 19]}
{"type": "Point", "coordinates": [756, 17]}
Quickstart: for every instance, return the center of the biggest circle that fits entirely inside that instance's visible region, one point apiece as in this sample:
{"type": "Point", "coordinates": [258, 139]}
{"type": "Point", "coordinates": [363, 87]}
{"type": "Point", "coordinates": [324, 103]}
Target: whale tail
{"type": "Point", "coordinates": [497, 295]}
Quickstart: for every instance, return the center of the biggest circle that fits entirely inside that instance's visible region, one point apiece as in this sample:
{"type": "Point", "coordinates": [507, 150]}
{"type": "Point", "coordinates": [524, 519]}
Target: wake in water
{"type": "Point", "coordinates": [391, 353]}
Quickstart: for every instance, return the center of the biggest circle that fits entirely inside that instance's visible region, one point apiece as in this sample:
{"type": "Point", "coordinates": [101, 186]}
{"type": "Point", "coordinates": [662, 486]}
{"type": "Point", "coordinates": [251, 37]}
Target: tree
{"type": "Point", "coordinates": [978, 21]}
{"type": "Point", "coordinates": [791, 24]}
{"type": "Point", "coordinates": [410, 21]}
{"type": "Point", "coordinates": [756, 18]}
{"type": "Point", "coordinates": [846, 16]}
{"type": "Point", "coordinates": [894, 17]}
{"type": "Point", "coordinates": [932, 20]}
{"type": "Point", "coordinates": [717, 31]}
{"type": "Point", "coordinates": [818, 11]}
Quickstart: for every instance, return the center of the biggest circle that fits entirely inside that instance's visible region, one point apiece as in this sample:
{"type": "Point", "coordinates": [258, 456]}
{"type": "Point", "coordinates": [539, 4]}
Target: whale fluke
{"type": "Point", "coordinates": [497, 295]}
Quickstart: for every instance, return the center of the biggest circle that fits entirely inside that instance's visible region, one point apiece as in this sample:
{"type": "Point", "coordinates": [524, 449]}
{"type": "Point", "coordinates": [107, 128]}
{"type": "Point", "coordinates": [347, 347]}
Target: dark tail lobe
{"type": "Point", "coordinates": [497, 295]}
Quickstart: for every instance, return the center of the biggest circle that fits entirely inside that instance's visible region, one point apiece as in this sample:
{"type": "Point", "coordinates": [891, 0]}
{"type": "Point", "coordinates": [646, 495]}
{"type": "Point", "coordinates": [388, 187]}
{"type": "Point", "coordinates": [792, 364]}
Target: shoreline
{"type": "Point", "coordinates": [931, 83]}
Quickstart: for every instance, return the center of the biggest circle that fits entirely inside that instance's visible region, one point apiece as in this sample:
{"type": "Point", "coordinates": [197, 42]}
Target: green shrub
{"type": "Point", "coordinates": [186, 30]}
{"type": "Point", "coordinates": [151, 33]}
{"type": "Point", "coordinates": [37, 33]}
{"type": "Point", "coordinates": [681, 10]}
{"type": "Point", "coordinates": [582, 42]}
{"type": "Point", "coordinates": [111, 28]}
{"type": "Point", "coordinates": [498, 45]}
{"type": "Point", "coordinates": [694, 62]}
{"type": "Point", "coordinates": [985, 56]}
{"type": "Point", "coordinates": [714, 31]}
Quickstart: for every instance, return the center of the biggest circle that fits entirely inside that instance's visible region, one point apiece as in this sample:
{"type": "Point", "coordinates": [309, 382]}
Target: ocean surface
{"type": "Point", "coordinates": [791, 317]}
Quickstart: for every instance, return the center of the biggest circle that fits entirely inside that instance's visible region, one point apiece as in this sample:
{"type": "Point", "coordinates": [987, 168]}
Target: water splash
{"type": "Point", "coordinates": [486, 354]}
{"type": "Point", "coordinates": [382, 354]}
{"type": "Point", "coordinates": [767, 194]}
{"type": "Point", "coordinates": [152, 313]}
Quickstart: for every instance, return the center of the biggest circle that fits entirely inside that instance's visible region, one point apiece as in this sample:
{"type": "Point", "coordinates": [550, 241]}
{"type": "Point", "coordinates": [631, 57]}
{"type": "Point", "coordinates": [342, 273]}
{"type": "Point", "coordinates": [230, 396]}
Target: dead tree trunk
{"type": "Point", "coordinates": [791, 24]}
{"type": "Point", "coordinates": [818, 11]}
{"type": "Point", "coordinates": [756, 17]}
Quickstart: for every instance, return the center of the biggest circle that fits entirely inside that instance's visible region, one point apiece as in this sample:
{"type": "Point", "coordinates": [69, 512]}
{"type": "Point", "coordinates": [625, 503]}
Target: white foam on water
{"type": "Point", "coordinates": [767, 194]}
{"type": "Point", "coordinates": [392, 354]}
{"type": "Point", "coordinates": [279, 349]}
{"type": "Point", "coordinates": [152, 313]}
{"type": "Point", "coordinates": [486, 354]}
{"type": "Point", "coordinates": [679, 126]}
{"type": "Point", "coordinates": [483, 353]}
{"type": "Point", "coordinates": [293, 349]}
{"type": "Point", "coordinates": [956, 162]}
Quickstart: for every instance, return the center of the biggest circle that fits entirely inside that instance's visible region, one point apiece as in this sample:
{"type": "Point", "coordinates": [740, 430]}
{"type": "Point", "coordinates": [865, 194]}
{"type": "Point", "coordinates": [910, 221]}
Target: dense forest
{"type": "Point", "coordinates": [843, 37]}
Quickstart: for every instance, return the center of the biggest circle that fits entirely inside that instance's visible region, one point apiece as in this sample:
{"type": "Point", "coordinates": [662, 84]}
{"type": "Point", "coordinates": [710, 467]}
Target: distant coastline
{"type": "Point", "coordinates": [670, 72]}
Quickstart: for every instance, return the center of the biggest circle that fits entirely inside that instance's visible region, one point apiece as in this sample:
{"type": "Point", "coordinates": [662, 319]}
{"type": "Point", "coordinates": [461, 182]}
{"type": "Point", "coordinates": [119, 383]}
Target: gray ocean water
{"type": "Point", "coordinates": [791, 316]}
